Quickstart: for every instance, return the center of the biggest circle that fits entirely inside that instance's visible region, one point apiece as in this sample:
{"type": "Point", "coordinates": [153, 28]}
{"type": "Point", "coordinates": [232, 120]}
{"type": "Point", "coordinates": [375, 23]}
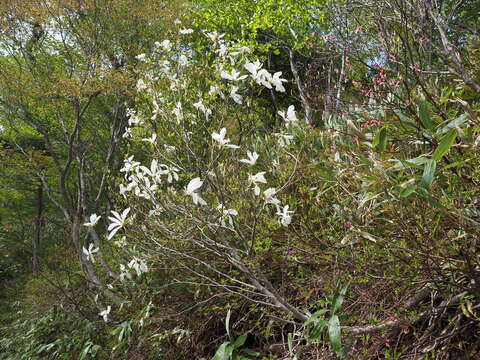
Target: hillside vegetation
{"type": "Point", "coordinates": [239, 179]}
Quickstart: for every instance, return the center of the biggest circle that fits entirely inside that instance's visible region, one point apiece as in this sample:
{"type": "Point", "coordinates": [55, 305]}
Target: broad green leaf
{"type": "Point", "coordinates": [408, 191]}
{"type": "Point", "coordinates": [416, 163]}
{"type": "Point", "coordinates": [428, 173]}
{"type": "Point", "coordinates": [406, 120]}
{"type": "Point", "coordinates": [380, 141]}
{"type": "Point", "coordinates": [316, 332]}
{"type": "Point", "coordinates": [445, 145]}
{"type": "Point", "coordinates": [314, 317]}
{"type": "Point", "coordinates": [429, 199]}
{"type": "Point", "coordinates": [338, 298]}
{"type": "Point", "coordinates": [424, 114]}
{"type": "Point", "coordinates": [334, 333]}
{"type": "Point", "coordinates": [240, 341]}
{"type": "Point", "coordinates": [251, 352]}
{"type": "Point", "coordinates": [452, 125]}
{"type": "Point", "coordinates": [222, 352]}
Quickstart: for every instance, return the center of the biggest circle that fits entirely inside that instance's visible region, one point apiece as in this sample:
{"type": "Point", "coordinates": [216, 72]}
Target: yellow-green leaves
{"type": "Point", "coordinates": [445, 145]}
{"type": "Point", "coordinates": [428, 173]}
{"type": "Point", "coordinates": [380, 140]}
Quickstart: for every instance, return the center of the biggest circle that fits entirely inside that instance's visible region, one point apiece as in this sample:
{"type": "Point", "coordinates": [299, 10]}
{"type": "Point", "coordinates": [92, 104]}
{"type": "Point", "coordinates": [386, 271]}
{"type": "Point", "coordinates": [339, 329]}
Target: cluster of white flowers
{"type": "Point", "coordinates": [144, 182]}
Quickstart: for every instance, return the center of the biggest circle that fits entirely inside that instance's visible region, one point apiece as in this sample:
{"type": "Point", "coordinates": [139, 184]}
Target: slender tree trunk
{"type": "Point", "coordinates": [38, 227]}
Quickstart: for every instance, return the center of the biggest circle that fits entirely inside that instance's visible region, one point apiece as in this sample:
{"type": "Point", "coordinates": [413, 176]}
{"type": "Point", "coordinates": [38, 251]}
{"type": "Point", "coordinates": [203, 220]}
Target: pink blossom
{"type": "Point", "coordinates": [366, 92]}
{"type": "Point", "coordinates": [292, 252]}
{"type": "Point", "coordinates": [388, 341]}
{"type": "Point", "coordinates": [392, 318]}
{"type": "Point", "coordinates": [7, 228]}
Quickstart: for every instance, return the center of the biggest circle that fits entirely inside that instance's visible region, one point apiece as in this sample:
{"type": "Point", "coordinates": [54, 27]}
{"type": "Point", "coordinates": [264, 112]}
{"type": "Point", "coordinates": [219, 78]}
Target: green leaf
{"type": "Point", "coordinates": [409, 190]}
{"type": "Point", "coordinates": [406, 120]}
{"type": "Point", "coordinates": [428, 173]}
{"type": "Point", "coordinates": [227, 324]}
{"type": "Point", "coordinates": [334, 333]}
{"type": "Point", "coordinates": [429, 199]}
{"type": "Point", "coordinates": [251, 352]}
{"type": "Point", "coordinates": [314, 316]}
{"type": "Point", "coordinates": [316, 332]}
{"type": "Point", "coordinates": [445, 145]}
{"type": "Point", "coordinates": [415, 163]}
{"type": "Point", "coordinates": [290, 343]}
{"type": "Point", "coordinates": [380, 140]}
{"type": "Point", "coordinates": [240, 341]}
{"type": "Point", "coordinates": [338, 298]}
{"type": "Point", "coordinates": [223, 352]}
{"type": "Point", "coordinates": [452, 124]}
{"type": "Point", "coordinates": [424, 114]}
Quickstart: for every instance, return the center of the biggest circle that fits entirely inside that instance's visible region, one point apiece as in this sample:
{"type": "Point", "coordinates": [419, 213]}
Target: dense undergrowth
{"type": "Point", "coordinates": [290, 190]}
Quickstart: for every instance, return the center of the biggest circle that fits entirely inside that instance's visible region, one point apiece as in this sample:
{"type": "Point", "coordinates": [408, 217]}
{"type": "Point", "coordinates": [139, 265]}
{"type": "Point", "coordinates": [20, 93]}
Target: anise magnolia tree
{"type": "Point", "coordinates": [67, 69]}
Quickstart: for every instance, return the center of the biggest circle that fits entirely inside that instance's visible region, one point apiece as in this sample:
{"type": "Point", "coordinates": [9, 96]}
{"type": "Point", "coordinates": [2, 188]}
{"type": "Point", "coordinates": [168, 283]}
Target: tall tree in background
{"type": "Point", "coordinates": [67, 74]}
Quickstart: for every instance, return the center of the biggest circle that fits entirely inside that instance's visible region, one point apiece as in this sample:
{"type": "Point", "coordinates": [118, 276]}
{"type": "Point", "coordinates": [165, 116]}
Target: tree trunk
{"type": "Point", "coordinates": [38, 227]}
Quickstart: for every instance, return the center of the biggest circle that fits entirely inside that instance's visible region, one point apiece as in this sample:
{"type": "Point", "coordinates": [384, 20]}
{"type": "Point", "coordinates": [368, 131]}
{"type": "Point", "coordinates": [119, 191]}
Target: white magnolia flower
{"type": "Point", "coordinates": [89, 252]}
{"type": "Point", "coordinates": [93, 219]}
{"type": "Point", "coordinates": [252, 158]}
{"type": "Point", "coordinates": [256, 179]}
{"type": "Point", "coordinates": [166, 45]}
{"type": "Point", "coordinates": [234, 76]}
{"type": "Point", "coordinates": [141, 57]}
{"type": "Point", "coordinates": [117, 222]}
{"type": "Point", "coordinates": [283, 139]}
{"type": "Point", "coordinates": [241, 51]}
{"type": "Point", "coordinates": [138, 265]}
{"type": "Point", "coordinates": [264, 78]}
{"type": "Point", "coordinates": [129, 165]}
{"type": "Point", "coordinates": [169, 148]}
{"type": "Point", "coordinates": [227, 215]}
{"type": "Point", "coordinates": [222, 50]}
{"type": "Point", "coordinates": [124, 273]}
{"type": "Point", "coordinates": [104, 313]}
{"type": "Point", "coordinates": [122, 242]}
{"type": "Point", "coordinates": [200, 106]}
{"type": "Point", "coordinates": [183, 60]}
{"type": "Point", "coordinates": [220, 138]}
{"type": "Point", "coordinates": [155, 211]}
{"type": "Point", "coordinates": [253, 68]}
{"type": "Point", "coordinates": [171, 172]}
{"type": "Point", "coordinates": [215, 36]}
{"type": "Point", "coordinates": [277, 82]}
{"type": "Point", "coordinates": [289, 116]}
{"type": "Point", "coordinates": [236, 97]}
{"type": "Point", "coordinates": [141, 85]}
{"type": "Point", "coordinates": [133, 119]}
{"type": "Point", "coordinates": [285, 217]}
{"type": "Point", "coordinates": [127, 133]}
{"type": "Point", "coordinates": [186, 31]}
{"type": "Point", "coordinates": [156, 109]}
{"type": "Point", "coordinates": [151, 139]}
{"type": "Point", "coordinates": [269, 196]}
{"type": "Point", "coordinates": [178, 112]}
{"type": "Point", "coordinates": [191, 190]}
